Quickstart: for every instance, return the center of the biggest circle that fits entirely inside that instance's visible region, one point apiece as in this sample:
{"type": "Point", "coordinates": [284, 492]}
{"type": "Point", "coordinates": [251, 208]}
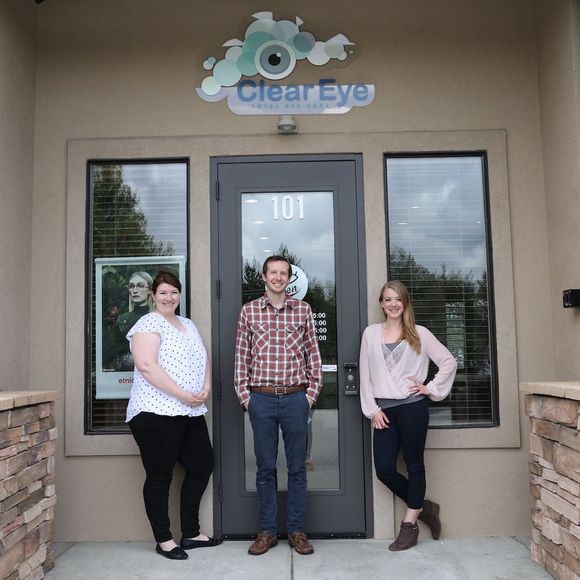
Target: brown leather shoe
{"type": "Point", "coordinates": [430, 516]}
{"type": "Point", "coordinates": [300, 543]}
{"type": "Point", "coordinates": [407, 538]}
{"type": "Point", "coordinates": [263, 543]}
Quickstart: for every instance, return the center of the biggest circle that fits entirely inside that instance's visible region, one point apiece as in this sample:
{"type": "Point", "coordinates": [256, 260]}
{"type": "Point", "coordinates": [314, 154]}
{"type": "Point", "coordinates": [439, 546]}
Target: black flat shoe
{"type": "Point", "coordinates": [188, 544]}
{"type": "Point", "coordinates": [176, 553]}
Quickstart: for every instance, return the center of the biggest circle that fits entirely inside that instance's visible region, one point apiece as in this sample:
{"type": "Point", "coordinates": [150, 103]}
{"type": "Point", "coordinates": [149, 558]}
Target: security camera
{"type": "Point", "coordinates": [287, 125]}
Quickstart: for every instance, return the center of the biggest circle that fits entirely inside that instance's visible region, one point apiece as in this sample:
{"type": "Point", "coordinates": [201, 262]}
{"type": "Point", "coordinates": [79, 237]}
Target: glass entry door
{"type": "Point", "coordinates": [271, 222]}
{"type": "Point", "coordinates": [307, 210]}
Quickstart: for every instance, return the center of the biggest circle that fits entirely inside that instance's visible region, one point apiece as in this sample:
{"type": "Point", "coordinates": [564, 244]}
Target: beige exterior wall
{"type": "Point", "coordinates": [372, 146]}
{"type": "Point", "coordinates": [121, 69]}
{"type": "Point", "coordinates": [17, 78]}
{"type": "Point", "coordinates": [559, 88]}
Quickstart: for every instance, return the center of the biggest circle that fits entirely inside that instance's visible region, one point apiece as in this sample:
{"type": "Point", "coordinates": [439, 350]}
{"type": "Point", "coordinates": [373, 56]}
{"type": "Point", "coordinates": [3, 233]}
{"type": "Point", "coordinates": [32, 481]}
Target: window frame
{"type": "Point", "coordinates": [492, 329]}
{"type": "Point", "coordinates": [89, 266]}
{"type": "Point", "coordinates": [372, 146]}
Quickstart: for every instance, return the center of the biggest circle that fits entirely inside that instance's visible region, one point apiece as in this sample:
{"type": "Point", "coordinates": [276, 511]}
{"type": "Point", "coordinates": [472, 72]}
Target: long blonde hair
{"type": "Point", "coordinates": [409, 332]}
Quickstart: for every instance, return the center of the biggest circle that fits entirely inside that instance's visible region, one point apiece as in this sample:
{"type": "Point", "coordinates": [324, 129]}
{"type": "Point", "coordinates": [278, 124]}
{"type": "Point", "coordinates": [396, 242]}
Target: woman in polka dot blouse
{"type": "Point", "coordinates": [171, 384]}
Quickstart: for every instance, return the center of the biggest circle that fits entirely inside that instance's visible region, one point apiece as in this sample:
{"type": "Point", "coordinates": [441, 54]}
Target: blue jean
{"type": "Point", "coordinates": [269, 414]}
{"type": "Point", "coordinates": [407, 431]}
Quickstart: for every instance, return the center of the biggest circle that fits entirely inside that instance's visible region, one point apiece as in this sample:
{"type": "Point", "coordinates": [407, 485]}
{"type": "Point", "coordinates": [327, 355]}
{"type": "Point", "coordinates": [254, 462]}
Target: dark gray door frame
{"type": "Point", "coordinates": [358, 222]}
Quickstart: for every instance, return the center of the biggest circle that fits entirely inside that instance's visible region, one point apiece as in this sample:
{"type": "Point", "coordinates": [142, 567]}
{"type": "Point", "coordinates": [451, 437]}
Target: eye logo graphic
{"type": "Point", "coordinates": [271, 48]}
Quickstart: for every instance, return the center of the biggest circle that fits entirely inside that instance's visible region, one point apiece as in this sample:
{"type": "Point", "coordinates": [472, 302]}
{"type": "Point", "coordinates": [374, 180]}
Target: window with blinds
{"type": "Point", "coordinates": [136, 226]}
{"type": "Point", "coordinates": [439, 247]}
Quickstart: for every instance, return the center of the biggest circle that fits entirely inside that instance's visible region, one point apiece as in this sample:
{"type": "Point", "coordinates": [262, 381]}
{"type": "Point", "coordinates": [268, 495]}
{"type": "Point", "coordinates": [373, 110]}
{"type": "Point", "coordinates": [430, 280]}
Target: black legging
{"type": "Point", "coordinates": [163, 441]}
{"type": "Point", "coordinates": [407, 431]}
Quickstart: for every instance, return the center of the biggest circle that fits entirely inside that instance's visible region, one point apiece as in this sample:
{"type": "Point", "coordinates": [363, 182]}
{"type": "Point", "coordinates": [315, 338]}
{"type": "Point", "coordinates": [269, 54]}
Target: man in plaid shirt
{"type": "Point", "coordinates": [278, 378]}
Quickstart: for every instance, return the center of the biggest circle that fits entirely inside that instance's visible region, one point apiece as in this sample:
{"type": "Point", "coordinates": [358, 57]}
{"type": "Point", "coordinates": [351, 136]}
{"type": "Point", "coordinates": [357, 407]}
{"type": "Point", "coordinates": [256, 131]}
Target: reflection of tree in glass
{"type": "Point", "coordinates": [119, 229]}
{"type": "Point", "coordinates": [252, 283]}
{"type": "Point", "coordinates": [322, 300]}
{"type": "Point", "coordinates": [455, 308]}
{"type": "Point", "coordinates": [119, 223]}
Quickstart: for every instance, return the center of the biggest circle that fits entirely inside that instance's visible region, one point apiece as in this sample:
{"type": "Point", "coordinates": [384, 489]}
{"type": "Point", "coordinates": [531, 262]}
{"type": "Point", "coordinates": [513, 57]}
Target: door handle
{"type": "Point", "coordinates": [350, 378]}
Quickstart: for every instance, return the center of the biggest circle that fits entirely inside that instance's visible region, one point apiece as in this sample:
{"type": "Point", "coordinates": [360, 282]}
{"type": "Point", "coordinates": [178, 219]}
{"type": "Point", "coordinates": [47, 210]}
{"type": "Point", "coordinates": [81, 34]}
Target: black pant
{"type": "Point", "coordinates": [407, 431]}
{"type": "Point", "coordinates": [163, 441]}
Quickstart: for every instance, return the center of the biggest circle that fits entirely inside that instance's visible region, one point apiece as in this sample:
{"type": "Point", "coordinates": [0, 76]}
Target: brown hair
{"type": "Point", "coordinates": [409, 332]}
{"type": "Point", "coordinates": [164, 277]}
{"type": "Point", "coordinates": [276, 258]}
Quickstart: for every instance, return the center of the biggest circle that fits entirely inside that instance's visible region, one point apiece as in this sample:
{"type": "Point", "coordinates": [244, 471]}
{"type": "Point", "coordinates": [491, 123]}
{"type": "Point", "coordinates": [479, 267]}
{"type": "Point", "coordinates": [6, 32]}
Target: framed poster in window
{"type": "Point", "coordinates": [123, 294]}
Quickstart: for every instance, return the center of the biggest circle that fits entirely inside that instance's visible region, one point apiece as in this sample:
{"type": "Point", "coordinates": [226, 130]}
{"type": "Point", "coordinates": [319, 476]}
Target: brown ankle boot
{"type": "Point", "coordinates": [407, 538]}
{"type": "Point", "coordinates": [430, 516]}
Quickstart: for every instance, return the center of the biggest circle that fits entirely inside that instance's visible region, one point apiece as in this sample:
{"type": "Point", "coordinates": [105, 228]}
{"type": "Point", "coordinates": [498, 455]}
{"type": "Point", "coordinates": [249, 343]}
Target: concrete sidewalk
{"type": "Point", "coordinates": [454, 559]}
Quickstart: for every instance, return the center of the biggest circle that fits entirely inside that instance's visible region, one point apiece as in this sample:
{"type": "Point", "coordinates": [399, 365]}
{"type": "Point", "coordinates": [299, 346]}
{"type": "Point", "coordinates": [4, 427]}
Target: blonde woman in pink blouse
{"type": "Point", "coordinates": [394, 360]}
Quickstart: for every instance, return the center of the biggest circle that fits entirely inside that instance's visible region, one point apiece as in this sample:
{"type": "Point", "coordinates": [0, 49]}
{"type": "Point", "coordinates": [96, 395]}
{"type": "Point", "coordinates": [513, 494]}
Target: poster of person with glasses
{"type": "Point", "coordinates": [122, 295]}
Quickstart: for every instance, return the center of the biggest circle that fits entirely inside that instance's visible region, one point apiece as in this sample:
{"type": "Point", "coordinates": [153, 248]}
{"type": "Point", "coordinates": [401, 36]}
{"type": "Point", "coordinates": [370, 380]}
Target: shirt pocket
{"type": "Point", "coordinates": [260, 336]}
{"type": "Point", "coordinates": [293, 336]}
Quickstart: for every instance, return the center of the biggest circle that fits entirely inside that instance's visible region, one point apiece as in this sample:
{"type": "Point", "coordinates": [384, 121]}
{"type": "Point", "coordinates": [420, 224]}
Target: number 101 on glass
{"type": "Point", "coordinates": [288, 207]}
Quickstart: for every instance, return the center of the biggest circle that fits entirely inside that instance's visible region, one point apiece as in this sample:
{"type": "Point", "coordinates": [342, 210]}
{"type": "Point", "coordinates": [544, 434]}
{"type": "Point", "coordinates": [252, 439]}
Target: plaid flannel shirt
{"type": "Point", "coordinates": [276, 347]}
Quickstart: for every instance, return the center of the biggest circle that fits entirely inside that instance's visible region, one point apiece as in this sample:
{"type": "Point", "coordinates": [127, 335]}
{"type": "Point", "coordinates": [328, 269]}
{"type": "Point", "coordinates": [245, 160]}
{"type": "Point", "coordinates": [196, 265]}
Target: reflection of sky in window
{"type": "Point", "coordinates": [311, 238]}
{"type": "Point", "coordinates": [436, 212]}
{"type": "Point", "coordinates": [162, 192]}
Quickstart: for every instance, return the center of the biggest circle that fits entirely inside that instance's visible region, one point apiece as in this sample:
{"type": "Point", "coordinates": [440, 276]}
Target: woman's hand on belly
{"type": "Point", "coordinates": [190, 399]}
{"type": "Point", "coordinates": [200, 397]}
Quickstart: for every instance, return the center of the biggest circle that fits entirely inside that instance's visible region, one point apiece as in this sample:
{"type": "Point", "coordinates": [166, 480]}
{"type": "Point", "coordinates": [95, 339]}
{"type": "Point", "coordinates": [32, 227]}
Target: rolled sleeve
{"type": "Point", "coordinates": [313, 359]}
{"type": "Point", "coordinates": [243, 358]}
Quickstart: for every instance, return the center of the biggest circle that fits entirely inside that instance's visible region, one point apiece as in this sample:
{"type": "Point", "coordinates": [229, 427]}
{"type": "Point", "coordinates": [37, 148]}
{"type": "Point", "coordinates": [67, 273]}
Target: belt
{"type": "Point", "coordinates": [278, 390]}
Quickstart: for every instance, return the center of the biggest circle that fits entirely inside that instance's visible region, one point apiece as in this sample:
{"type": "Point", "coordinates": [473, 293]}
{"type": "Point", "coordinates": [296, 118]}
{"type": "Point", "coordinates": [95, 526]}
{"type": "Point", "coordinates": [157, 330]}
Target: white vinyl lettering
{"type": "Point", "coordinates": [285, 207]}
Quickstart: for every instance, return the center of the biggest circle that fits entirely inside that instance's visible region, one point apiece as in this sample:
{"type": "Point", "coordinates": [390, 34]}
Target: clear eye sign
{"type": "Point", "coordinates": [270, 50]}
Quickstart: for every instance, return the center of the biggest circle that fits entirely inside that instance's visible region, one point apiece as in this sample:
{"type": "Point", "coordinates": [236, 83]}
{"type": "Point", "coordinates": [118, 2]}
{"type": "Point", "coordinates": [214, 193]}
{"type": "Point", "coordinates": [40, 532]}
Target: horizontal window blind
{"type": "Point", "coordinates": [136, 210]}
{"type": "Point", "coordinates": [439, 248]}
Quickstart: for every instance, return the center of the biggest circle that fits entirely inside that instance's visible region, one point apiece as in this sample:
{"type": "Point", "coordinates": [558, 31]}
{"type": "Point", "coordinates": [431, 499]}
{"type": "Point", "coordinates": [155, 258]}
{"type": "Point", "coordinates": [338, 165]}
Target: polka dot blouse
{"type": "Point", "coordinates": [181, 355]}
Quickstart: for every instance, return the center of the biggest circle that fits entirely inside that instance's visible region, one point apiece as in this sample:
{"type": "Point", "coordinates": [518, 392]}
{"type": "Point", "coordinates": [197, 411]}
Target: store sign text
{"type": "Point", "coordinates": [251, 98]}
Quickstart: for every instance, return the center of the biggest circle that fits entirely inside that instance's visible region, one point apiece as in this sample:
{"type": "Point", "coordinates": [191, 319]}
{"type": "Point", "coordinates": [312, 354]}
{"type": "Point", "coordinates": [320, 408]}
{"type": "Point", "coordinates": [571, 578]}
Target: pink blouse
{"type": "Point", "coordinates": [391, 379]}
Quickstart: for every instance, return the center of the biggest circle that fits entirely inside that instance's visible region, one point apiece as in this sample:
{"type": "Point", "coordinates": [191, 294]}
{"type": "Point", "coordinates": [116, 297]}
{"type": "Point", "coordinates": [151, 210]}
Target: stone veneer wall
{"type": "Point", "coordinates": [555, 483]}
{"type": "Point", "coordinates": [27, 483]}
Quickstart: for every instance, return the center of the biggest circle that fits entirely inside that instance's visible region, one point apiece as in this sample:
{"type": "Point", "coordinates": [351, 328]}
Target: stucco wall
{"type": "Point", "coordinates": [118, 68]}
{"type": "Point", "coordinates": [17, 78]}
{"type": "Point", "coordinates": [559, 89]}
